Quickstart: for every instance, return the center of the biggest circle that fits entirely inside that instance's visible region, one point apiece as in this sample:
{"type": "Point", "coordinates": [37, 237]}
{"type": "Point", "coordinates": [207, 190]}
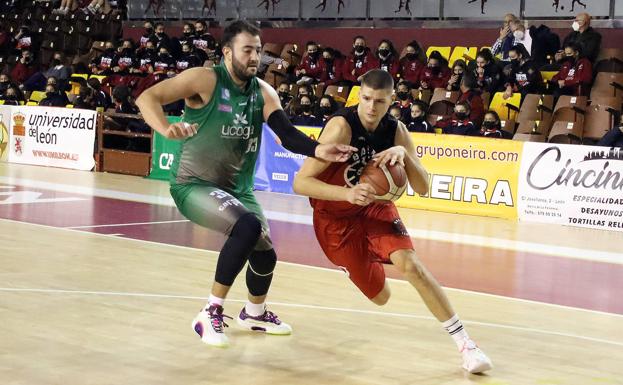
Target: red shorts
{"type": "Point", "coordinates": [361, 243]}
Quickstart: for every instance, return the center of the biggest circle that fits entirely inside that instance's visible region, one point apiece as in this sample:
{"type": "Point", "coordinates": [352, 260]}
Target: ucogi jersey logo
{"type": "Point", "coordinates": [240, 129]}
{"type": "Point", "coordinates": [585, 173]}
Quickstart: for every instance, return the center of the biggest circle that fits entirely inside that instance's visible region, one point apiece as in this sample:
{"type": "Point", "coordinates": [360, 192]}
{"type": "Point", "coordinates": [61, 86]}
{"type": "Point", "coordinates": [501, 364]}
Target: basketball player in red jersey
{"type": "Point", "coordinates": [359, 233]}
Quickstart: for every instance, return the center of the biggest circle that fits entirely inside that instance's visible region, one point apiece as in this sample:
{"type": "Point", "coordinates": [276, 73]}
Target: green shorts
{"type": "Point", "coordinates": [217, 209]}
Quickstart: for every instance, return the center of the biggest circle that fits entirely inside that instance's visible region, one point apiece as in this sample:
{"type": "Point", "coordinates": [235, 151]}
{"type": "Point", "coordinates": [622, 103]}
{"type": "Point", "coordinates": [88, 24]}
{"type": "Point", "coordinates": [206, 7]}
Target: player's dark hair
{"type": "Point", "coordinates": [377, 79]}
{"type": "Point", "coordinates": [237, 27]}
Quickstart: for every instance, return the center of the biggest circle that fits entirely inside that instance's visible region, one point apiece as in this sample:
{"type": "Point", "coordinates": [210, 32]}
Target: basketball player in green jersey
{"type": "Point", "coordinates": [212, 176]}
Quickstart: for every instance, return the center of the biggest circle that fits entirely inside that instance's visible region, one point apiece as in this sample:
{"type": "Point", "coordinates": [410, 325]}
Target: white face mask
{"type": "Point", "coordinates": [575, 26]}
{"type": "Point", "coordinates": [519, 35]}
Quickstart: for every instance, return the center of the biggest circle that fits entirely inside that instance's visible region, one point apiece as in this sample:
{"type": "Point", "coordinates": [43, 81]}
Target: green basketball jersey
{"type": "Point", "coordinates": [224, 151]}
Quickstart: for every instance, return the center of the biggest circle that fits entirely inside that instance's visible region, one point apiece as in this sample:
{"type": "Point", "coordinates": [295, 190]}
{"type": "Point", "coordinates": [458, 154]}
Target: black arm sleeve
{"type": "Point", "coordinates": [292, 139]}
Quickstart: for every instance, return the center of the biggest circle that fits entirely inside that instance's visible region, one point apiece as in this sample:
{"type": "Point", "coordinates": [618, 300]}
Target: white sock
{"type": "Point", "coordinates": [255, 309]}
{"type": "Point", "coordinates": [456, 330]}
{"type": "Point", "coordinates": [214, 300]}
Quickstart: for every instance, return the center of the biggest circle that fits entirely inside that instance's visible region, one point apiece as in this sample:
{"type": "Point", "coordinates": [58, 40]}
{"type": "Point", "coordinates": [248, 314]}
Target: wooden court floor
{"type": "Point", "coordinates": [80, 306]}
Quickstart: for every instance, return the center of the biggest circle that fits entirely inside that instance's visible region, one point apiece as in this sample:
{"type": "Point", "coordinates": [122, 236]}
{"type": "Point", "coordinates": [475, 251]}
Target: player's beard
{"type": "Point", "coordinates": [241, 71]}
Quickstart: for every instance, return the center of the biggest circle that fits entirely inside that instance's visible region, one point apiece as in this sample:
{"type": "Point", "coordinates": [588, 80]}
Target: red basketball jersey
{"type": "Point", "coordinates": [348, 173]}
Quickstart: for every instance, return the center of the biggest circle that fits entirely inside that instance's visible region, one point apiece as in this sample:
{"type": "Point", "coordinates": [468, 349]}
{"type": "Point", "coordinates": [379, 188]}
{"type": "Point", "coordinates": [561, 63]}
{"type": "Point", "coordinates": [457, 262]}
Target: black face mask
{"type": "Point", "coordinates": [313, 55]}
{"type": "Point", "coordinates": [164, 55]}
{"type": "Point", "coordinates": [411, 56]}
{"type": "Point", "coordinates": [127, 51]}
{"type": "Point", "coordinates": [28, 60]}
{"type": "Point", "coordinates": [306, 107]}
{"type": "Point", "coordinates": [417, 119]}
{"type": "Point", "coordinates": [436, 70]}
{"type": "Point", "coordinates": [489, 125]}
{"type": "Point", "coordinates": [149, 31]}
{"type": "Point", "coordinates": [55, 62]}
{"type": "Point", "coordinates": [570, 59]}
{"type": "Point", "coordinates": [49, 94]}
{"type": "Point", "coordinates": [187, 34]}
{"type": "Point", "coordinates": [160, 34]}
{"type": "Point", "coordinates": [359, 49]}
{"type": "Point", "coordinates": [11, 97]}
{"type": "Point", "coordinates": [4, 82]}
{"type": "Point", "coordinates": [402, 95]}
{"type": "Point", "coordinates": [110, 51]}
{"type": "Point", "coordinates": [284, 95]}
{"type": "Point", "coordinates": [384, 52]}
{"type": "Point", "coordinates": [515, 63]}
{"type": "Point", "coordinates": [199, 32]}
{"type": "Point", "coordinates": [329, 61]}
{"type": "Point", "coordinates": [461, 115]}
{"type": "Point", "coordinates": [325, 111]}
{"type": "Point", "coordinates": [150, 50]}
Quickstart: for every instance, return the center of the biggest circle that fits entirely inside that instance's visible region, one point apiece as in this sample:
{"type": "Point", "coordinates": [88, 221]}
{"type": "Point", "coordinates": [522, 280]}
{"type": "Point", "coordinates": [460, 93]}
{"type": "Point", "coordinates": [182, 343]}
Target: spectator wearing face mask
{"type": "Point", "coordinates": [205, 43]}
{"type": "Point", "coordinates": [188, 34]}
{"type": "Point", "coordinates": [459, 123]}
{"type": "Point", "coordinates": [575, 76]}
{"type": "Point", "coordinates": [506, 40]}
{"type": "Point", "coordinates": [57, 68]}
{"type": "Point", "coordinates": [411, 64]}
{"type": "Point", "coordinates": [305, 117]}
{"type": "Point", "coordinates": [584, 36]}
{"type": "Point", "coordinates": [161, 36]}
{"type": "Point", "coordinates": [471, 96]}
{"type": "Point", "coordinates": [492, 127]}
{"type": "Point", "coordinates": [148, 35]}
{"type": "Point", "coordinates": [487, 73]}
{"type": "Point", "coordinates": [327, 106]}
{"type": "Point", "coordinates": [387, 59]}
{"type": "Point", "coordinates": [522, 74]}
{"type": "Point", "coordinates": [102, 64]}
{"type": "Point", "coordinates": [360, 61]}
{"type": "Point", "coordinates": [283, 90]}
{"type": "Point", "coordinates": [403, 100]}
{"type": "Point", "coordinates": [293, 107]}
{"type": "Point", "coordinates": [24, 68]}
{"type": "Point", "coordinates": [13, 96]}
{"type": "Point", "coordinates": [125, 61]}
{"type": "Point", "coordinates": [53, 98]}
{"type": "Point", "coordinates": [188, 58]}
{"type": "Point", "coordinates": [418, 121]}
{"type": "Point", "coordinates": [311, 68]}
{"type": "Point", "coordinates": [458, 69]}
{"type": "Point", "coordinates": [164, 61]}
{"type": "Point", "coordinates": [146, 58]}
{"type": "Point", "coordinates": [521, 35]}
{"type": "Point", "coordinates": [4, 84]}
{"type": "Point", "coordinates": [333, 64]}
{"type": "Point", "coordinates": [436, 73]}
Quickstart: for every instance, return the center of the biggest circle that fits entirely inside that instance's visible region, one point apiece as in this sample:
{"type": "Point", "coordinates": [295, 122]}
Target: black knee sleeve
{"type": "Point", "coordinates": [244, 235]}
{"type": "Point", "coordinates": [260, 271]}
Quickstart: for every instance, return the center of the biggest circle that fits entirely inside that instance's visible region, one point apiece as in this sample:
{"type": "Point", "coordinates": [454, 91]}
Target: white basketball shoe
{"type": "Point", "coordinates": [474, 360]}
{"type": "Point", "coordinates": [209, 325]}
{"type": "Point", "coordinates": [268, 323]}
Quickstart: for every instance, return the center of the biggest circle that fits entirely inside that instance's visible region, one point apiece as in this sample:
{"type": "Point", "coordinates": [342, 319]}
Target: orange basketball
{"type": "Point", "coordinates": [389, 182]}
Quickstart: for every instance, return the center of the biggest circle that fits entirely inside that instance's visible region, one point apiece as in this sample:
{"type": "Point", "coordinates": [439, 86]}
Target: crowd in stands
{"type": "Point", "coordinates": [513, 65]}
{"type": "Point", "coordinates": [112, 75]}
